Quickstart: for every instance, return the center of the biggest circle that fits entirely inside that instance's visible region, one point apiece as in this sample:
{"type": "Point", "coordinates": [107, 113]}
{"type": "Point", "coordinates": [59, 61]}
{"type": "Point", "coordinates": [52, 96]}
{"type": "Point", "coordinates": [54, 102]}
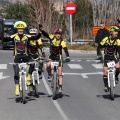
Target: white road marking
{"type": "Point", "coordinates": [72, 60]}
{"type": "Point", "coordinates": [84, 58]}
{"type": "Point", "coordinates": [3, 66]}
{"type": "Point", "coordinates": [3, 77]}
{"type": "Point", "coordinates": [64, 116]}
{"type": "Point", "coordinates": [84, 75]}
{"type": "Point", "coordinates": [75, 66]}
{"type": "Point", "coordinates": [97, 66]}
{"type": "Point", "coordinates": [93, 60]}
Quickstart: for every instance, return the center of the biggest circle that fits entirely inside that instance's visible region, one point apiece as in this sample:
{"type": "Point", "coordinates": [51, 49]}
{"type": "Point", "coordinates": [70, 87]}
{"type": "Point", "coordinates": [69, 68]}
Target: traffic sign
{"type": "Point", "coordinates": [70, 8]}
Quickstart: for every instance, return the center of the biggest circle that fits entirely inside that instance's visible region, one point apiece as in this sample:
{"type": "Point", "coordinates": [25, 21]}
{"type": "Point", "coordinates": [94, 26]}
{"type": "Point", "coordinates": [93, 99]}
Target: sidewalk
{"type": "Point", "coordinates": [78, 51]}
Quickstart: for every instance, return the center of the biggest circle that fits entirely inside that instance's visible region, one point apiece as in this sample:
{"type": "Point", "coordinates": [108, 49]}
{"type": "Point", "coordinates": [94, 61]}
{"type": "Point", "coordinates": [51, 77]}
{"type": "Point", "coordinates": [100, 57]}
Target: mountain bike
{"type": "Point", "coordinates": [22, 79]}
{"type": "Point", "coordinates": [111, 78]}
{"type": "Point", "coordinates": [54, 82]}
{"type": "Point", "coordinates": [35, 77]}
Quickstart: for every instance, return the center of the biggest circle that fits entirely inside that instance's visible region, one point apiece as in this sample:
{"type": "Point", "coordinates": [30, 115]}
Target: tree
{"type": "Point", "coordinates": [105, 11]}
{"type": "Point", "coordinates": [18, 11]}
{"type": "Point", "coordinates": [82, 19]}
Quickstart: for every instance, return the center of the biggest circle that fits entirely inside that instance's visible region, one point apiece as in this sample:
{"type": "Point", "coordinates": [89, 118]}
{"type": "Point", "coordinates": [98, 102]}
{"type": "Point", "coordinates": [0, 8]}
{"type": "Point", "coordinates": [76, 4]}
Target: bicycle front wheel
{"type": "Point", "coordinates": [111, 78]}
{"type": "Point", "coordinates": [54, 80]}
{"type": "Point", "coordinates": [23, 89]}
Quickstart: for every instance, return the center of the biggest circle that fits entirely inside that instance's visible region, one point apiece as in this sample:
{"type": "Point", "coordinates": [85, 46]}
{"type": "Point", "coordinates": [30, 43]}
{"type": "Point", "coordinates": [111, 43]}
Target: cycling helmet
{"type": "Point", "coordinates": [59, 31]}
{"type": "Point", "coordinates": [20, 24]}
{"type": "Point", "coordinates": [114, 28]}
{"type": "Point", "coordinates": [33, 31]}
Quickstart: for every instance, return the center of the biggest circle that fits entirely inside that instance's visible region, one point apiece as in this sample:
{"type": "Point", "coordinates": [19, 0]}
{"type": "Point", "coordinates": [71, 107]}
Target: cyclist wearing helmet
{"type": "Point", "coordinates": [35, 48]}
{"type": "Point", "coordinates": [111, 45]}
{"type": "Point", "coordinates": [56, 45]}
{"type": "Point", "coordinates": [20, 51]}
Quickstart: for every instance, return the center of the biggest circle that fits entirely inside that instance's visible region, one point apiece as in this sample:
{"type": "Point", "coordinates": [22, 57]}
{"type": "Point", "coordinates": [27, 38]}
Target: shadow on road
{"type": "Point", "coordinates": [107, 96]}
{"type": "Point", "coordinates": [41, 94]}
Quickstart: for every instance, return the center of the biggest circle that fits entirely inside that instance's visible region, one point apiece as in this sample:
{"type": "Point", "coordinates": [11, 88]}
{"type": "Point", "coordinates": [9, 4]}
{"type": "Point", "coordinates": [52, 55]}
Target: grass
{"type": "Point", "coordinates": [81, 47]}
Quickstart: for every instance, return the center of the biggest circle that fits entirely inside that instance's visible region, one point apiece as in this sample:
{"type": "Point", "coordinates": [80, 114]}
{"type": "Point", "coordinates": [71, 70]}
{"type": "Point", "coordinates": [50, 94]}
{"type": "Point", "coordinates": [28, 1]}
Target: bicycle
{"type": "Point", "coordinates": [22, 79]}
{"type": "Point", "coordinates": [111, 78]}
{"type": "Point", "coordinates": [55, 81]}
{"type": "Point", "coordinates": [35, 77]}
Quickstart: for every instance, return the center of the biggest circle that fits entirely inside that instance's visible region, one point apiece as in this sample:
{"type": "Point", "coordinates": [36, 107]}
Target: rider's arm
{"type": "Point", "coordinates": [45, 34]}
{"type": "Point", "coordinates": [49, 36]}
{"type": "Point", "coordinates": [34, 37]}
{"type": "Point", "coordinates": [118, 47]}
{"type": "Point", "coordinates": [103, 42]}
{"type": "Point", "coordinates": [41, 47]}
{"type": "Point", "coordinates": [63, 44]}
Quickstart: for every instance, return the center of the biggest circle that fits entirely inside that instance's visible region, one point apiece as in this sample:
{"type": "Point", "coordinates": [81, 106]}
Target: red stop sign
{"type": "Point", "coordinates": [70, 8]}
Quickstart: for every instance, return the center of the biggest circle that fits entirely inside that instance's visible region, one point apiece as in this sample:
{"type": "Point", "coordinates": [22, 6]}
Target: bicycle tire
{"type": "Point", "coordinates": [36, 89]}
{"type": "Point", "coordinates": [54, 88]}
{"type": "Point", "coordinates": [23, 89]}
{"type": "Point", "coordinates": [111, 86]}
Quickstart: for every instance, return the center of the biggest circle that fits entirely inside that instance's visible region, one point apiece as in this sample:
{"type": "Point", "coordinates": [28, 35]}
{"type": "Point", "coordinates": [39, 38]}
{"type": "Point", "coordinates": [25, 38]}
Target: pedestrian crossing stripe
{"type": "Point", "coordinates": [98, 66]}
{"type": "Point", "coordinates": [3, 66]}
{"type": "Point", "coordinates": [75, 66]}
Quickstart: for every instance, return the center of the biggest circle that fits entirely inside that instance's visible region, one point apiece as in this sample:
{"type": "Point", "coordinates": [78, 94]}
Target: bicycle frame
{"type": "Point", "coordinates": [111, 70]}
{"type": "Point", "coordinates": [22, 71]}
{"type": "Point", "coordinates": [35, 75]}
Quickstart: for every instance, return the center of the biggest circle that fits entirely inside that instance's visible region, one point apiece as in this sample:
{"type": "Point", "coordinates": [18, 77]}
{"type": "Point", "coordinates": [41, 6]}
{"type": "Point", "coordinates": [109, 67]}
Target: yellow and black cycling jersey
{"type": "Point", "coordinates": [111, 46]}
{"type": "Point", "coordinates": [56, 45]}
{"type": "Point", "coordinates": [34, 45]}
{"type": "Point", "coordinates": [21, 41]}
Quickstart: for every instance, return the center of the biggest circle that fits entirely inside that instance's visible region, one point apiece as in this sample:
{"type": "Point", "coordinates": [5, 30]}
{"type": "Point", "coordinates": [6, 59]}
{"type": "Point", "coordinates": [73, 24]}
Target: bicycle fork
{"type": "Point", "coordinates": [35, 76]}
{"type": "Point", "coordinates": [20, 80]}
{"type": "Point", "coordinates": [109, 83]}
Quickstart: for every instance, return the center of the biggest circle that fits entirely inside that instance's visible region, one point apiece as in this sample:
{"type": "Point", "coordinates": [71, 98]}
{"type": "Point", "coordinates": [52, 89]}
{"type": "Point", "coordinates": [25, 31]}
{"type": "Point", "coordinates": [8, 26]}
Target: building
{"type": "Point", "coordinates": [59, 7]}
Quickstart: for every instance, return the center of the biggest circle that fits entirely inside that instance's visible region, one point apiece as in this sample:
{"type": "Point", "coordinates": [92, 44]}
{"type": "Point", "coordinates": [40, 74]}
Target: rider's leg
{"type": "Point", "coordinates": [117, 66]}
{"type": "Point", "coordinates": [16, 79]}
{"type": "Point", "coordinates": [31, 68]}
{"type": "Point", "coordinates": [40, 65]}
{"type": "Point", "coordinates": [60, 76]}
{"type": "Point", "coordinates": [48, 68]}
{"type": "Point", "coordinates": [105, 78]}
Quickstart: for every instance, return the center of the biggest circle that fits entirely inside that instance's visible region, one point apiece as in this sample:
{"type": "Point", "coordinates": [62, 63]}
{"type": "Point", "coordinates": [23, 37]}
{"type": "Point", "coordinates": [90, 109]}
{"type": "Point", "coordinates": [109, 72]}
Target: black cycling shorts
{"type": "Point", "coordinates": [57, 58]}
{"type": "Point", "coordinates": [22, 58]}
{"type": "Point", "coordinates": [106, 60]}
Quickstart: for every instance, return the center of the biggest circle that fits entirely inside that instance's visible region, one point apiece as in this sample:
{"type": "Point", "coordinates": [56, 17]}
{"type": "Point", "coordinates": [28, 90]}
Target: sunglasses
{"type": "Point", "coordinates": [32, 34]}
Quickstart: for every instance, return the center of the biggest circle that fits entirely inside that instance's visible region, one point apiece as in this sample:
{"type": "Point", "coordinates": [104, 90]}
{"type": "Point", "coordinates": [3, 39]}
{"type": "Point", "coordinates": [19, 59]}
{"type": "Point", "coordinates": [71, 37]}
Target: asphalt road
{"type": "Point", "coordinates": [83, 96]}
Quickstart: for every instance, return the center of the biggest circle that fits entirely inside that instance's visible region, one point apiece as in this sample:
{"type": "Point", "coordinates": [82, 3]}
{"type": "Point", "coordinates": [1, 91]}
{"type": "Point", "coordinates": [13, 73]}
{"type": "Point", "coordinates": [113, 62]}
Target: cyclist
{"type": "Point", "coordinates": [56, 45]}
{"type": "Point", "coordinates": [111, 45]}
{"type": "Point", "coordinates": [35, 48]}
{"type": "Point", "coordinates": [20, 51]}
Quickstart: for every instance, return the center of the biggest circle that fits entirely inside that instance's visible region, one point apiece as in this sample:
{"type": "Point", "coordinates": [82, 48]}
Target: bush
{"type": "Point", "coordinates": [81, 47]}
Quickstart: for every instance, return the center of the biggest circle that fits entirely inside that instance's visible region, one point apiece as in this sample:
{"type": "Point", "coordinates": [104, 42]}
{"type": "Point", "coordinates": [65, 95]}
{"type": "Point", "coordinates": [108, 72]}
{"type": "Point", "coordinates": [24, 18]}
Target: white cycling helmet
{"type": "Point", "coordinates": [33, 31]}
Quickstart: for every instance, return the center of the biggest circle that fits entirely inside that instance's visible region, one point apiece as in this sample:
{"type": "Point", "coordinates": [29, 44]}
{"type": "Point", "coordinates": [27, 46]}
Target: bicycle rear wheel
{"type": "Point", "coordinates": [23, 89]}
{"type": "Point", "coordinates": [111, 86]}
{"type": "Point", "coordinates": [54, 87]}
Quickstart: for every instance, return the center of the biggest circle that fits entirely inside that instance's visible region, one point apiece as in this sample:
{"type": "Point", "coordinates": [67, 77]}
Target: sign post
{"type": "Point", "coordinates": [70, 9]}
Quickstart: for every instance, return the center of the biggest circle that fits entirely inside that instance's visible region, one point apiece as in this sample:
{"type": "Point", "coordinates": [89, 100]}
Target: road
{"type": "Point", "coordinates": [83, 94]}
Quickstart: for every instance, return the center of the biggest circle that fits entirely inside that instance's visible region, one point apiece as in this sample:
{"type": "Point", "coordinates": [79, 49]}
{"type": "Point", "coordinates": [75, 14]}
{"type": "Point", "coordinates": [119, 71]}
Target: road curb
{"type": "Point", "coordinates": [78, 51]}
